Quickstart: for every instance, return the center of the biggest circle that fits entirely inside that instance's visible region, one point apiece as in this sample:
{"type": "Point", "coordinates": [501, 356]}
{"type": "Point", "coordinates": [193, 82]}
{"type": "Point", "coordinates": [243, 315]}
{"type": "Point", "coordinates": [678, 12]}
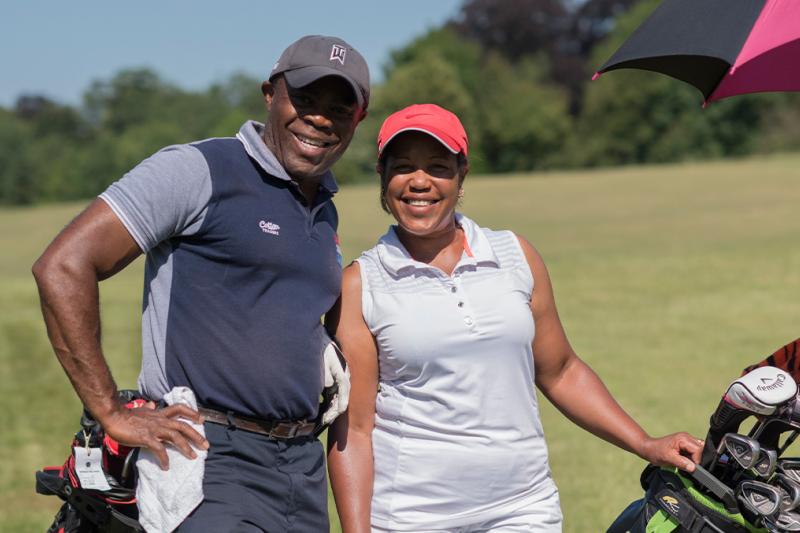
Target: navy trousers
{"type": "Point", "coordinates": [255, 484]}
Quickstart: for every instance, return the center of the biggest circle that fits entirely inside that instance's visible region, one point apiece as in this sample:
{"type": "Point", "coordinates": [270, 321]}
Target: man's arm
{"type": "Point", "coordinates": [578, 392]}
{"type": "Point", "coordinates": [350, 435]}
{"type": "Point", "coordinates": [93, 247]}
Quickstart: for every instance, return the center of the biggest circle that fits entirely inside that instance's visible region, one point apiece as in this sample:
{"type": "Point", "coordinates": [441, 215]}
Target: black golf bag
{"type": "Point", "coordinates": [672, 504]}
{"type": "Point", "coordinates": [88, 510]}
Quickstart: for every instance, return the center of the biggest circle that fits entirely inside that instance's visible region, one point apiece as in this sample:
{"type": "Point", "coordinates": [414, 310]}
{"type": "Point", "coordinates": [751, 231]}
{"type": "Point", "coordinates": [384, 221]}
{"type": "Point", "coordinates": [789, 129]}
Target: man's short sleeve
{"type": "Point", "coordinates": [165, 195]}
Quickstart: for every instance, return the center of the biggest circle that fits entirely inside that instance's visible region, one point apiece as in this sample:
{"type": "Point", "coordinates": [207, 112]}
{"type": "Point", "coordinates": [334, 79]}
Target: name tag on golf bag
{"type": "Point", "coordinates": [97, 481]}
{"type": "Point", "coordinates": [673, 505]}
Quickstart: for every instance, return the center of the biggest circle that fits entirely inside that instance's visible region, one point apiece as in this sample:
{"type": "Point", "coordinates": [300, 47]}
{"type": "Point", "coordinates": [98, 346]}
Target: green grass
{"type": "Point", "coordinates": [668, 279]}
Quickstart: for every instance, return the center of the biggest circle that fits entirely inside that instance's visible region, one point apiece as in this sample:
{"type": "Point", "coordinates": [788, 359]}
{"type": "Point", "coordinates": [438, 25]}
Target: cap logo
{"type": "Point", "coordinates": [338, 53]}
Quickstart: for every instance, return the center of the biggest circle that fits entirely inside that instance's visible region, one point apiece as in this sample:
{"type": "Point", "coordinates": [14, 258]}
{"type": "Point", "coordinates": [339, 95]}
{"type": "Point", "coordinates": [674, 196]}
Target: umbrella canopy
{"type": "Point", "coordinates": [722, 47]}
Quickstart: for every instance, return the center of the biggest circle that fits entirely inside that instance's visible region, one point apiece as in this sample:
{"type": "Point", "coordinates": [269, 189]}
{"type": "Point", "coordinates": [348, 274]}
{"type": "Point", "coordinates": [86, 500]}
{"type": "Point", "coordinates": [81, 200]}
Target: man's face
{"type": "Point", "coordinates": [309, 128]}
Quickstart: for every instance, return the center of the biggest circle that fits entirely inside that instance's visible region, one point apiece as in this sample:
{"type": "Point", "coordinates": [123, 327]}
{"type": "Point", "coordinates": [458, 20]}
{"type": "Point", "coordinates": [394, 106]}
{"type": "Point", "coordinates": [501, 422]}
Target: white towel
{"type": "Point", "coordinates": [166, 498]}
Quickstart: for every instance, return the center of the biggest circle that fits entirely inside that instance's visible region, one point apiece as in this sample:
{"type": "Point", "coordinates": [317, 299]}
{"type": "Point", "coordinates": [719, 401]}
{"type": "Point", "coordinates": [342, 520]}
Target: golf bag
{"type": "Point", "coordinates": [112, 510]}
{"type": "Point", "coordinates": [673, 505]}
{"type": "Point", "coordinates": [89, 510]}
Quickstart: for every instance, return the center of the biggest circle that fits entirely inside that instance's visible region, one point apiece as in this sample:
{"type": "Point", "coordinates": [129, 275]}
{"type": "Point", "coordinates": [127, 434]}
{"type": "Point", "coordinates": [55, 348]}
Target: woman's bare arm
{"type": "Point", "coordinates": [350, 436]}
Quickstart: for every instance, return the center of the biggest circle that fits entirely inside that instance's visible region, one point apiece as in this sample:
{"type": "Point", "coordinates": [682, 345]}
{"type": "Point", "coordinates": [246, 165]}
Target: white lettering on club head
{"type": "Point", "coordinates": [776, 384]}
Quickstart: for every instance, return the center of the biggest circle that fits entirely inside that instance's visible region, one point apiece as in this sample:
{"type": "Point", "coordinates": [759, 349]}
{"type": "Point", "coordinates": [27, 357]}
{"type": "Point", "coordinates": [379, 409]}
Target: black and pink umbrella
{"type": "Point", "coordinates": [722, 47]}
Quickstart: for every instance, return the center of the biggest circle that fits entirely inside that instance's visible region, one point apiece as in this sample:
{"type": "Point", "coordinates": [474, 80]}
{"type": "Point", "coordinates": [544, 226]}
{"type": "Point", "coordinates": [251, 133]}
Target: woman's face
{"type": "Point", "coordinates": [422, 181]}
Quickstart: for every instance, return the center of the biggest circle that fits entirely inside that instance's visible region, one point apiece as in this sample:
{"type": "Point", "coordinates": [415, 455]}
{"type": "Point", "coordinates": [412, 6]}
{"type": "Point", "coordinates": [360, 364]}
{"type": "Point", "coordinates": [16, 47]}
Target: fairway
{"type": "Point", "coordinates": [668, 280]}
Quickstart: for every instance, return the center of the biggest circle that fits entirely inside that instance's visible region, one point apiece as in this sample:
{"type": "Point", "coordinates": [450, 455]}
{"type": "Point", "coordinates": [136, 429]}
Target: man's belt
{"type": "Point", "coordinates": [274, 429]}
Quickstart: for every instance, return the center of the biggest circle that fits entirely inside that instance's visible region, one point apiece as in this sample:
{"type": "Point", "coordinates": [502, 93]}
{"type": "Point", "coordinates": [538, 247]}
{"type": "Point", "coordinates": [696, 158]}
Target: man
{"type": "Point", "coordinates": [242, 261]}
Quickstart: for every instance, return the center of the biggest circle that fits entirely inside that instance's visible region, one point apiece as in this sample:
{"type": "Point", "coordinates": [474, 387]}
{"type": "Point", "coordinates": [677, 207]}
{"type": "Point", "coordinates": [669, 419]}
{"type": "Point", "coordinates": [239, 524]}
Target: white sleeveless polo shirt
{"type": "Point", "coordinates": [457, 438]}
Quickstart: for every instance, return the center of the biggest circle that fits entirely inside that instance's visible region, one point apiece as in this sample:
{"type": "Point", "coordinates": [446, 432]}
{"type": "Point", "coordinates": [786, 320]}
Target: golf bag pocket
{"type": "Point", "coordinates": [673, 505]}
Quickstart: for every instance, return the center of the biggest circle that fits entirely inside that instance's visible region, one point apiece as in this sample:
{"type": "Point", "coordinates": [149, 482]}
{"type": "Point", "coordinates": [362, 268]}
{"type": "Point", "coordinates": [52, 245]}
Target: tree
{"type": "Point", "coordinates": [240, 92]}
{"type": "Point", "coordinates": [16, 185]}
{"type": "Point", "coordinates": [780, 129]}
{"type": "Point", "coordinates": [565, 32]}
{"type": "Point", "coordinates": [523, 123]}
{"type": "Point", "coordinates": [514, 28]}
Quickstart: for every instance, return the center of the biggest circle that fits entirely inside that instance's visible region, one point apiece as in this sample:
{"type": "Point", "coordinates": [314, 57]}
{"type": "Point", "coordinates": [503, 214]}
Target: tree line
{"type": "Point", "coordinates": [515, 71]}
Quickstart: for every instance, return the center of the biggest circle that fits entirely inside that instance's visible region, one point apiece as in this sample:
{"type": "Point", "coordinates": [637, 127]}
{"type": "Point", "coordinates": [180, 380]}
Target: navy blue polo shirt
{"type": "Point", "coordinates": [239, 271]}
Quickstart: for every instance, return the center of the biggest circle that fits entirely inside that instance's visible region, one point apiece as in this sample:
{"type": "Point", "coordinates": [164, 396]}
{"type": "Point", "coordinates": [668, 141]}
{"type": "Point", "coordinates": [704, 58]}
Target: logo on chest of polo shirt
{"type": "Point", "coordinates": [269, 227]}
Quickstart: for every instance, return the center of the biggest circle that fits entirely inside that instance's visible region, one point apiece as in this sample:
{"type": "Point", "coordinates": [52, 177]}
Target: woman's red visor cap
{"type": "Point", "coordinates": [437, 122]}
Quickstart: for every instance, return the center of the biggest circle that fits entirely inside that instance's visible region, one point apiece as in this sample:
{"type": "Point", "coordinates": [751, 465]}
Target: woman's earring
{"type": "Point", "coordinates": [460, 193]}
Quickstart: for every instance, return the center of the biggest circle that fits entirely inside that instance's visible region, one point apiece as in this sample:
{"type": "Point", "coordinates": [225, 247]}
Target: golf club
{"type": "Point", "coordinates": [757, 393]}
{"type": "Point", "coordinates": [790, 491]}
{"type": "Point", "coordinates": [759, 499]}
{"type": "Point", "coordinates": [790, 468]}
{"type": "Point", "coordinates": [744, 450]}
{"type": "Point", "coordinates": [766, 464]}
{"type": "Point", "coordinates": [786, 521]}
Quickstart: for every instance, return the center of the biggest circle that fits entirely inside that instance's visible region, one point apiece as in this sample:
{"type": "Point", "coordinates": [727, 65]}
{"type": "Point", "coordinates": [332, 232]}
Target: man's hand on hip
{"type": "Point", "coordinates": [153, 429]}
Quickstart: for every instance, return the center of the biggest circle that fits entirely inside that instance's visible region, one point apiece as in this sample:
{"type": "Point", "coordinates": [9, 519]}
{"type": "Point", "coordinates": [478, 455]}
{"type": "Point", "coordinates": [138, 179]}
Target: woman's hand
{"type": "Point", "coordinates": [679, 449]}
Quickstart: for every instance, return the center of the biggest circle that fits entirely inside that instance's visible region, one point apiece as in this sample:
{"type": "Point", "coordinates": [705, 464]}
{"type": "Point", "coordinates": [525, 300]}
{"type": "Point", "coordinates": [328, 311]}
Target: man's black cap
{"type": "Point", "coordinates": [315, 56]}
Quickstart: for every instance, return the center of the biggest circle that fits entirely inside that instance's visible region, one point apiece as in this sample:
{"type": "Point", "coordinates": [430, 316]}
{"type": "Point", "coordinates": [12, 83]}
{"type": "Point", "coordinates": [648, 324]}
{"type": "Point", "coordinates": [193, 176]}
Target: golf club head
{"type": "Point", "coordinates": [766, 463]}
{"type": "Point", "coordinates": [790, 468]}
{"type": "Point", "coordinates": [760, 499]}
{"type": "Point", "coordinates": [744, 450]}
{"type": "Point", "coordinates": [762, 390]}
{"type": "Point", "coordinates": [790, 492]}
{"type": "Point", "coordinates": [786, 521]}
{"type": "Point", "coordinates": [757, 393]}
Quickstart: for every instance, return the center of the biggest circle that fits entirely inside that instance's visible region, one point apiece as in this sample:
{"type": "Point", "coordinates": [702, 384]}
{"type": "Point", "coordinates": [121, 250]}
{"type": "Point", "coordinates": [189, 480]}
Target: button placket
{"type": "Point", "coordinates": [461, 302]}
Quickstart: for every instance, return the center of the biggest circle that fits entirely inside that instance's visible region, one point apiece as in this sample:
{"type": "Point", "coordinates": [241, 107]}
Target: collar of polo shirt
{"type": "Point", "coordinates": [395, 257]}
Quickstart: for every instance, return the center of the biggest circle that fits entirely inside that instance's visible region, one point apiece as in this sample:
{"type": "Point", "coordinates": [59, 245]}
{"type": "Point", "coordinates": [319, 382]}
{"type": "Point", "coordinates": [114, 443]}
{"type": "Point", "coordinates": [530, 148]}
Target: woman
{"type": "Point", "coordinates": [452, 324]}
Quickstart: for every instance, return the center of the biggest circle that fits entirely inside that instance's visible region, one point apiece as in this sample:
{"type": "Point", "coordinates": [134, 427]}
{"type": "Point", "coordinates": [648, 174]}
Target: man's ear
{"type": "Point", "coordinates": [363, 115]}
{"type": "Point", "coordinates": [268, 90]}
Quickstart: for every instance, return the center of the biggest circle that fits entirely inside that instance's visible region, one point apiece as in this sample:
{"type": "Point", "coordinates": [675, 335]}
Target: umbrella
{"type": "Point", "coordinates": [722, 47]}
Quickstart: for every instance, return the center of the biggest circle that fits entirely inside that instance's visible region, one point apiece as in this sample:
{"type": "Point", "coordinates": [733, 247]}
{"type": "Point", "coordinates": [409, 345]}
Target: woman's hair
{"type": "Point", "coordinates": [461, 162]}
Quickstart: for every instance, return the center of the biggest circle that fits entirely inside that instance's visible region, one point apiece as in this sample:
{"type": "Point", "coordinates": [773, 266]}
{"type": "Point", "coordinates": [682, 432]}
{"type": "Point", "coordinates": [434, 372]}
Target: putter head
{"type": "Point", "coordinates": [790, 492]}
{"type": "Point", "coordinates": [760, 499]}
{"type": "Point", "coordinates": [766, 463]}
{"type": "Point", "coordinates": [790, 468]}
{"type": "Point", "coordinates": [744, 450]}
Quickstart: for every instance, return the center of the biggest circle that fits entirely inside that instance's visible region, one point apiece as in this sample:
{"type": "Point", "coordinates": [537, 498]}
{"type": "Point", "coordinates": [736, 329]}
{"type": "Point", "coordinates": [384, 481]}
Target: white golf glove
{"type": "Point", "coordinates": [336, 372]}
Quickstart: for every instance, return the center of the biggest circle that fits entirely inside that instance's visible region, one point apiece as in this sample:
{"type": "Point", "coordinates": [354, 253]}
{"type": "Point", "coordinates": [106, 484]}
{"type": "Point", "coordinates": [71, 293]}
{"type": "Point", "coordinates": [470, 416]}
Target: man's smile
{"type": "Point", "coordinates": [311, 141]}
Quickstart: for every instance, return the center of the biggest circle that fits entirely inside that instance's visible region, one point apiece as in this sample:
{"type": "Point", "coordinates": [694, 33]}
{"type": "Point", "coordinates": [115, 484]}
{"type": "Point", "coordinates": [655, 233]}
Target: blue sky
{"type": "Point", "coordinates": [57, 48]}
